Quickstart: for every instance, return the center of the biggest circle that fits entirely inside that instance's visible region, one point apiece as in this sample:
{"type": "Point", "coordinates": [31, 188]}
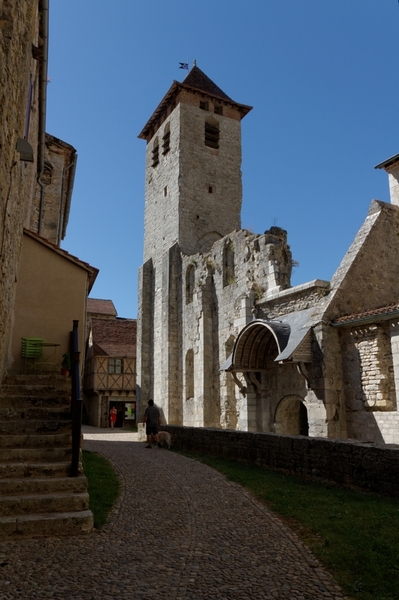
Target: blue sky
{"type": "Point", "coordinates": [322, 78]}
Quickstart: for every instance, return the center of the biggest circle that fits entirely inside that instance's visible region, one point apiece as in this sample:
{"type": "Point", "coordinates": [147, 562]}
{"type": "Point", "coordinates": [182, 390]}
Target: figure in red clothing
{"type": "Point", "coordinates": [112, 416]}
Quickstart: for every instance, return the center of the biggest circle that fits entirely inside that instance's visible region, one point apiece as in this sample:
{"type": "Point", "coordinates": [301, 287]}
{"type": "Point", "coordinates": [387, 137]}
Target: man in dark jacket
{"type": "Point", "coordinates": [152, 420]}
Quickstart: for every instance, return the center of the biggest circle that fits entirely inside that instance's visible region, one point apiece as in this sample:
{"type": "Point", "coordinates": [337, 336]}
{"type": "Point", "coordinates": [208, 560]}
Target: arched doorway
{"type": "Point", "coordinates": [291, 417]}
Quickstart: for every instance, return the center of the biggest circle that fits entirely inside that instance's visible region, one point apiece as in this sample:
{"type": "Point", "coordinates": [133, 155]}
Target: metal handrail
{"type": "Point", "coordinates": [76, 400]}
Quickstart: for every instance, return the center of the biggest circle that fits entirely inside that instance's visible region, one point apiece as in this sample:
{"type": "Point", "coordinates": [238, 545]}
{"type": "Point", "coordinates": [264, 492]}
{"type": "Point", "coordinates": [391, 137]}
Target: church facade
{"type": "Point", "coordinates": [223, 339]}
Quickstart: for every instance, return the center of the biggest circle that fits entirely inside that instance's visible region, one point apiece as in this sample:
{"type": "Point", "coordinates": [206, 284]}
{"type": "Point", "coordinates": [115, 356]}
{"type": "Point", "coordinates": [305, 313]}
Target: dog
{"type": "Point", "coordinates": [164, 439]}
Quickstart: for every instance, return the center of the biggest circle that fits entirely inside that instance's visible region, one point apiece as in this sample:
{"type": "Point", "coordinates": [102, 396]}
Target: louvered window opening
{"type": "Point", "coordinates": [155, 156]}
{"type": "Point", "coordinates": [211, 136]}
{"type": "Point", "coordinates": [166, 143]}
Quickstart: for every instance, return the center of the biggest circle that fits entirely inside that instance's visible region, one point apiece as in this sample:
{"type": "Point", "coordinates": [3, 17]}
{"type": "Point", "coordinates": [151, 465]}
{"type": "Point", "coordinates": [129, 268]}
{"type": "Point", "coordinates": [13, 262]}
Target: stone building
{"type": "Point", "coordinates": [223, 338]}
{"type": "Point", "coordinates": [110, 370]}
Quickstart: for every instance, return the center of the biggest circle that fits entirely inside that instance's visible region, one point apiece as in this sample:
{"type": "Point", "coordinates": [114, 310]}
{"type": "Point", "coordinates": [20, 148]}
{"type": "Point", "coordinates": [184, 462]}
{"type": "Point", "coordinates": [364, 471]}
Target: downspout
{"type": "Point", "coordinates": [63, 221]}
{"type": "Point", "coordinates": [44, 29]}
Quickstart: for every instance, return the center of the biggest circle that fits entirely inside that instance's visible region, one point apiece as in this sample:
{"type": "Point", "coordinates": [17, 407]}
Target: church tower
{"type": "Point", "coordinates": [193, 167]}
{"type": "Point", "coordinates": [193, 195]}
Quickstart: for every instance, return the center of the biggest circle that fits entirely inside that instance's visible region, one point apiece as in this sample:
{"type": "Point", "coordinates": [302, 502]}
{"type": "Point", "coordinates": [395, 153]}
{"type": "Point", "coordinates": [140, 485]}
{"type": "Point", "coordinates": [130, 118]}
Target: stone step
{"type": "Point", "coordinates": [37, 380]}
{"type": "Point", "coordinates": [72, 523]}
{"type": "Point", "coordinates": [34, 413]}
{"type": "Point", "coordinates": [35, 470]}
{"type": "Point", "coordinates": [43, 503]}
{"type": "Point", "coordinates": [43, 485]}
{"type": "Point", "coordinates": [35, 454]}
{"type": "Point", "coordinates": [34, 426]}
{"type": "Point", "coordinates": [20, 402]}
{"type": "Point", "coordinates": [36, 440]}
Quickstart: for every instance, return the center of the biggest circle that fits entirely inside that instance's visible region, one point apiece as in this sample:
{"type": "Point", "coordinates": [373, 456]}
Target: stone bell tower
{"type": "Point", "coordinates": [193, 195]}
{"type": "Point", "coordinates": [193, 167]}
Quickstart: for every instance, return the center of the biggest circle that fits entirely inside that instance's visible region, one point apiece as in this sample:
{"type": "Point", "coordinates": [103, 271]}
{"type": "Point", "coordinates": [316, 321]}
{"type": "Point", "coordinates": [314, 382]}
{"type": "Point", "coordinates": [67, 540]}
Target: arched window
{"type": "Point", "coordinates": [228, 264]}
{"type": "Point", "coordinates": [212, 133]}
{"type": "Point", "coordinates": [190, 283]}
{"type": "Point", "coordinates": [189, 374]}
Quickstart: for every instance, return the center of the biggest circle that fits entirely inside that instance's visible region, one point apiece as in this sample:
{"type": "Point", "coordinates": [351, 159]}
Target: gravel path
{"type": "Point", "coordinates": [179, 531]}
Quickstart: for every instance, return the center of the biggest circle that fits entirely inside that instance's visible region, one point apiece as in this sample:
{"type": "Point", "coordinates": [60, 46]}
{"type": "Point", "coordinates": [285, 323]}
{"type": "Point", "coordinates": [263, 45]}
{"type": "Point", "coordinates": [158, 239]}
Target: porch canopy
{"type": "Point", "coordinates": [291, 335]}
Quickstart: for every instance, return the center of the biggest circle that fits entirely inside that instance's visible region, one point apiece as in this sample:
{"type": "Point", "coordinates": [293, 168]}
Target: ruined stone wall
{"type": "Point", "coordinates": [216, 289]}
{"type": "Point", "coordinates": [18, 75]}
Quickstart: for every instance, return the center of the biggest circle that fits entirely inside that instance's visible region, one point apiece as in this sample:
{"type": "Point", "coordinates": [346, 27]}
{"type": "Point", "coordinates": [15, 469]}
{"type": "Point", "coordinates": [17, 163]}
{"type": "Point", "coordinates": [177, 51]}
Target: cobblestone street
{"type": "Point", "coordinates": [179, 531]}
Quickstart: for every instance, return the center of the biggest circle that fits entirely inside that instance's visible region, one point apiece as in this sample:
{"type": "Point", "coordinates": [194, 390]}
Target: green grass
{"type": "Point", "coordinates": [103, 485]}
{"type": "Point", "coordinates": [355, 535]}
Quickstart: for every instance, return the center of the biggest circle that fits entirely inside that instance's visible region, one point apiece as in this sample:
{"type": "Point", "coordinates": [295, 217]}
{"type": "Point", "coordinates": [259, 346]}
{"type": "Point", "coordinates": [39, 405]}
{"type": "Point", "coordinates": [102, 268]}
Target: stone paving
{"type": "Point", "coordinates": [179, 531]}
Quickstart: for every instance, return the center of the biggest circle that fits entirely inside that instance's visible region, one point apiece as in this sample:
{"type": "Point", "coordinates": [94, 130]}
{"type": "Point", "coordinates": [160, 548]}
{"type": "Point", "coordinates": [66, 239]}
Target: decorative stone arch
{"type": "Point", "coordinates": [190, 283]}
{"type": "Point", "coordinates": [206, 242]}
{"type": "Point", "coordinates": [291, 416]}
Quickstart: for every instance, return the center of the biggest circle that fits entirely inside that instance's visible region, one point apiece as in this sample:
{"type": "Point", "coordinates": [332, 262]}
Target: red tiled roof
{"type": "Point", "coordinates": [383, 311]}
{"type": "Point", "coordinates": [101, 307]}
{"type": "Point", "coordinates": [114, 337]}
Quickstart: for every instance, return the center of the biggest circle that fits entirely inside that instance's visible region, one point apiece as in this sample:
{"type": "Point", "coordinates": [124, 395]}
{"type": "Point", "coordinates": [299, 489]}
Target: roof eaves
{"type": "Point", "coordinates": [388, 162]}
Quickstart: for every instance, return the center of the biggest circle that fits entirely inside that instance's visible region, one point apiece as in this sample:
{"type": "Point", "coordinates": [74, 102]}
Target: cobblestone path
{"type": "Point", "coordinates": [179, 531]}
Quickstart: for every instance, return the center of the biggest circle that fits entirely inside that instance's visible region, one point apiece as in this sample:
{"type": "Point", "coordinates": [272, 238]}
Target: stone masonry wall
{"type": "Point", "coordinates": [18, 31]}
{"type": "Point", "coordinates": [206, 336]}
{"type": "Point", "coordinates": [371, 467]}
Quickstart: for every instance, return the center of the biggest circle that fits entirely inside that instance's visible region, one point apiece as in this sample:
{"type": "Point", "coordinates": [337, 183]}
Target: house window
{"type": "Point", "coordinates": [218, 110]}
{"type": "Point", "coordinates": [166, 141]}
{"type": "Point", "coordinates": [115, 366]}
{"type": "Point", "coordinates": [155, 153]}
{"type": "Point", "coordinates": [204, 105]}
{"type": "Point", "coordinates": [212, 134]}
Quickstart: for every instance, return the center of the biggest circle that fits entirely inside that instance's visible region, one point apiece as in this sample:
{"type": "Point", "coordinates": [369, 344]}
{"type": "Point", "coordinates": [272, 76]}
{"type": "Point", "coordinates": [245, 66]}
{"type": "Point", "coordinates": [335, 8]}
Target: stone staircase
{"type": "Point", "coordinates": [37, 496]}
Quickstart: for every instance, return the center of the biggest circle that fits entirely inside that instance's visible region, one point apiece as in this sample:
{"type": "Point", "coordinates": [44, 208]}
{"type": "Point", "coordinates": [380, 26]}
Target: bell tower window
{"type": "Point", "coordinates": [212, 134]}
{"type": "Point", "coordinates": [155, 153]}
{"type": "Point", "coordinates": [166, 140]}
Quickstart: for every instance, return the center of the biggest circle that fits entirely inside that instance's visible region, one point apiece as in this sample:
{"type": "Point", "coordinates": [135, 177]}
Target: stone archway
{"type": "Point", "coordinates": [291, 416]}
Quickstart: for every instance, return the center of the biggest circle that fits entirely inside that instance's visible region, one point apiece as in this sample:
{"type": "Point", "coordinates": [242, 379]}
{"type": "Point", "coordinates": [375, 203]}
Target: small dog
{"type": "Point", "coordinates": [164, 439]}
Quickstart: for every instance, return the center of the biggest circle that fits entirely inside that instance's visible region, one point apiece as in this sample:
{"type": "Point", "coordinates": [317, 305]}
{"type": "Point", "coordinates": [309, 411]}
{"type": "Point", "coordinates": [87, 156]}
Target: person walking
{"type": "Point", "coordinates": [112, 416]}
{"type": "Point", "coordinates": [152, 419]}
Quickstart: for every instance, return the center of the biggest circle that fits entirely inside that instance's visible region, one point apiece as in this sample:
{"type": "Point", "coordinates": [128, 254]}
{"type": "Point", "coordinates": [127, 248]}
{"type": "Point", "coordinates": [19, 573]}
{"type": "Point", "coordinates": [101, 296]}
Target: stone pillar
{"type": "Point", "coordinates": [145, 338]}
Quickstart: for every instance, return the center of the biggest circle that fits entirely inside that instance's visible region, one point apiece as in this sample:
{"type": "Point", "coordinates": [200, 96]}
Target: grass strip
{"type": "Point", "coordinates": [355, 535]}
{"type": "Point", "coordinates": [103, 485]}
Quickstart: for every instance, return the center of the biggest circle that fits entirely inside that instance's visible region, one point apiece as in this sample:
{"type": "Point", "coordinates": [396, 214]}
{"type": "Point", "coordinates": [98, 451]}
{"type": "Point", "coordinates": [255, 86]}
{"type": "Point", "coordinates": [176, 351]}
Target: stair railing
{"type": "Point", "coordinates": [76, 400]}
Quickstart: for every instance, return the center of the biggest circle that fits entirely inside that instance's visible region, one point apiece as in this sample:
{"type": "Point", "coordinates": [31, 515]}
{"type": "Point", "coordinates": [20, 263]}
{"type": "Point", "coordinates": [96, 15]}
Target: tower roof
{"type": "Point", "coordinates": [198, 80]}
{"type": "Point", "coordinates": [197, 83]}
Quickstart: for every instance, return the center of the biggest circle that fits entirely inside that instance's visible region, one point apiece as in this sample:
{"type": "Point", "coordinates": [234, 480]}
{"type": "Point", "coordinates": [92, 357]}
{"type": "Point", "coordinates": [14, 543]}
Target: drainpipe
{"type": "Point", "coordinates": [64, 209]}
{"type": "Point", "coordinates": [44, 4]}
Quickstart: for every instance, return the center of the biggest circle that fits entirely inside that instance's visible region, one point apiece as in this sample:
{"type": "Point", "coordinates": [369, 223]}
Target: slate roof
{"type": "Point", "coordinates": [114, 337]}
{"type": "Point", "coordinates": [198, 80]}
{"type": "Point", "coordinates": [101, 307]}
{"type": "Point", "coordinates": [373, 314]}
